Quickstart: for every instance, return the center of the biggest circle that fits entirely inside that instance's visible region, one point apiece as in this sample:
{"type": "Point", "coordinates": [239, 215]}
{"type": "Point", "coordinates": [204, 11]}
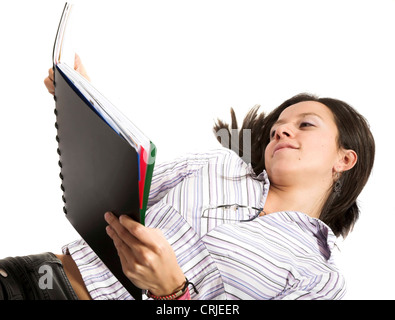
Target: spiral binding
{"type": "Point", "coordinates": [58, 150]}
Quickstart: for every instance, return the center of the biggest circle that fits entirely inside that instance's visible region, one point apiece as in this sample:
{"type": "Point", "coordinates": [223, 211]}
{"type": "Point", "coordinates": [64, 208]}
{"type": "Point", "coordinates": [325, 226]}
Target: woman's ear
{"type": "Point", "coordinates": [347, 160]}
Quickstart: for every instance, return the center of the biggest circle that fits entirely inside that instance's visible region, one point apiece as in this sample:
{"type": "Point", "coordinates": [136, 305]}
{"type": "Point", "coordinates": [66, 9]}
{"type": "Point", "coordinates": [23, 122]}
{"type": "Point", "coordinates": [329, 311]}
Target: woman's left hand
{"type": "Point", "coordinates": [147, 258]}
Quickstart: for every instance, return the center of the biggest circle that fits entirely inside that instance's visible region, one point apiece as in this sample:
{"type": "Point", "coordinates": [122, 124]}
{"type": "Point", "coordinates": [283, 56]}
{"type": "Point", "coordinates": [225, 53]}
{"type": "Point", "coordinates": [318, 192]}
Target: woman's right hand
{"type": "Point", "coordinates": [78, 66]}
{"type": "Point", "coordinates": [48, 81]}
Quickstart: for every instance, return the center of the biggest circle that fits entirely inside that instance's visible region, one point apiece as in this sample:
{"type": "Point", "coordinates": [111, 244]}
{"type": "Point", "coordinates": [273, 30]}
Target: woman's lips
{"type": "Point", "coordinates": [282, 146]}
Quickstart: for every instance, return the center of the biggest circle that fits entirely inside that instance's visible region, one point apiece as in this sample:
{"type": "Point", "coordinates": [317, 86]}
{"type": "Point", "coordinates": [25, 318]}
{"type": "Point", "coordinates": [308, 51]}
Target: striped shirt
{"type": "Point", "coordinates": [282, 255]}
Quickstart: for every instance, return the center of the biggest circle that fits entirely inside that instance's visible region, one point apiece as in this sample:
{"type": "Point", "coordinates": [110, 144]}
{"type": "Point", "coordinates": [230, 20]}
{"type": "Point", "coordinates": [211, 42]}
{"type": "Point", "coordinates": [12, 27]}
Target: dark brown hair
{"type": "Point", "coordinates": [340, 211]}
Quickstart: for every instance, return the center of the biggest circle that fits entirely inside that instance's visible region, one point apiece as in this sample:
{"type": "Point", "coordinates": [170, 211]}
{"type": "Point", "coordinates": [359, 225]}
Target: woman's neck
{"type": "Point", "coordinates": [306, 200]}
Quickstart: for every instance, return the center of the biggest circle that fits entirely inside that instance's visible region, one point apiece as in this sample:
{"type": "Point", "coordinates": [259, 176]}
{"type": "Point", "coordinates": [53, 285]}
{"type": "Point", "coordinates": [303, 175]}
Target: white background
{"type": "Point", "coordinates": [173, 67]}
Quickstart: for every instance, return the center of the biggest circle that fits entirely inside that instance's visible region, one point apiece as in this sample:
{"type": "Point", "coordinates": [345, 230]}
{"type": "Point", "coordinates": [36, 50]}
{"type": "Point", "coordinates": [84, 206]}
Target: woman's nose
{"type": "Point", "coordinates": [283, 131]}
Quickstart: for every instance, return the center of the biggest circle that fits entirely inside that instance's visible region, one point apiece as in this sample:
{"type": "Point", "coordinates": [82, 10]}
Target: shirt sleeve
{"type": "Point", "coordinates": [328, 286]}
{"type": "Point", "coordinates": [167, 175]}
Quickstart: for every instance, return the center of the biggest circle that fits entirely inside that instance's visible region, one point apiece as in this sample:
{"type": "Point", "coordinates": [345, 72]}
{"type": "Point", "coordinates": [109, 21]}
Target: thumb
{"type": "Point", "coordinates": [79, 67]}
{"type": "Point", "coordinates": [77, 62]}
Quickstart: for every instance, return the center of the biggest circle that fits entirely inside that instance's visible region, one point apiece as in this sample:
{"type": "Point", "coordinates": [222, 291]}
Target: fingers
{"type": "Point", "coordinates": [79, 67]}
{"type": "Point", "coordinates": [145, 235]}
{"type": "Point", "coordinates": [48, 81]}
{"type": "Point", "coordinates": [130, 239]}
{"type": "Point", "coordinates": [130, 250]}
{"type": "Point", "coordinates": [118, 243]}
{"type": "Point", "coordinates": [77, 62]}
{"type": "Point", "coordinates": [120, 233]}
{"type": "Point", "coordinates": [146, 256]}
{"type": "Point", "coordinates": [50, 74]}
{"type": "Point", "coordinates": [128, 261]}
{"type": "Point", "coordinates": [132, 232]}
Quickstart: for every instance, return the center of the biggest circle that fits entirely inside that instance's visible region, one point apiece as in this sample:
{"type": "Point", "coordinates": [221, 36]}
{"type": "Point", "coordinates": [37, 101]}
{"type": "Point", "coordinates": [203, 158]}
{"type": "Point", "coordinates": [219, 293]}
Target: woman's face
{"type": "Point", "coordinates": [303, 145]}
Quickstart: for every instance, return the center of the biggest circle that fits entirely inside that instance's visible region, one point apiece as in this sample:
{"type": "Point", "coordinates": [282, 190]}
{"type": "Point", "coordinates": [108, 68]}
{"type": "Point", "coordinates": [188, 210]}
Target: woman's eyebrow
{"type": "Point", "coordinates": [300, 116]}
{"type": "Point", "coordinates": [306, 114]}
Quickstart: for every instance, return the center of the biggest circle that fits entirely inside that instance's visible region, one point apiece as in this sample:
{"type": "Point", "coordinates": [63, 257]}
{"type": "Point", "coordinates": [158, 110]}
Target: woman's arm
{"type": "Point", "coordinates": [74, 276]}
{"type": "Point", "coordinates": [147, 258]}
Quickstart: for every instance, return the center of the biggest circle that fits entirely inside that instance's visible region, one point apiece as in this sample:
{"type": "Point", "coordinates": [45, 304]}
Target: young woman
{"type": "Point", "coordinates": [220, 228]}
{"type": "Point", "coordinates": [311, 158]}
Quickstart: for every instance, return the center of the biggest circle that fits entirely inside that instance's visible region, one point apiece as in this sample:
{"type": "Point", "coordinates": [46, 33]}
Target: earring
{"type": "Point", "coordinates": [338, 184]}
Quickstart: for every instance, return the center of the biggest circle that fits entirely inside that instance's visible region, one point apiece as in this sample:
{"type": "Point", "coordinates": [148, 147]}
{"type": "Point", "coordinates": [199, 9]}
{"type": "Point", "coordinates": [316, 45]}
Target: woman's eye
{"type": "Point", "coordinates": [306, 124]}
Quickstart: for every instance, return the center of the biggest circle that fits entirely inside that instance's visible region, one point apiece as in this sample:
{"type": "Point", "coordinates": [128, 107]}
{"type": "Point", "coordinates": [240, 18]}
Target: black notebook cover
{"type": "Point", "coordinates": [99, 172]}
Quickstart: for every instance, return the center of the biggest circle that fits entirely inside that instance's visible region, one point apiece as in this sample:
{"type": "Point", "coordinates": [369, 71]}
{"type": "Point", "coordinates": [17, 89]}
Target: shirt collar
{"type": "Point", "coordinates": [326, 239]}
{"type": "Point", "coordinates": [324, 235]}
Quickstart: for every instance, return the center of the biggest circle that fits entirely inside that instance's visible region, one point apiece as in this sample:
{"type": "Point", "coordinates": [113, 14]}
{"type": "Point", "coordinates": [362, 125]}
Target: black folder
{"type": "Point", "coordinates": [100, 170]}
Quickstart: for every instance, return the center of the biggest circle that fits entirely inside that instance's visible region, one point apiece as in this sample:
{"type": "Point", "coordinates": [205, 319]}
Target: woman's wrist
{"type": "Point", "coordinates": [170, 286]}
{"type": "Point", "coordinates": [173, 295]}
{"type": "Point", "coordinates": [181, 293]}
